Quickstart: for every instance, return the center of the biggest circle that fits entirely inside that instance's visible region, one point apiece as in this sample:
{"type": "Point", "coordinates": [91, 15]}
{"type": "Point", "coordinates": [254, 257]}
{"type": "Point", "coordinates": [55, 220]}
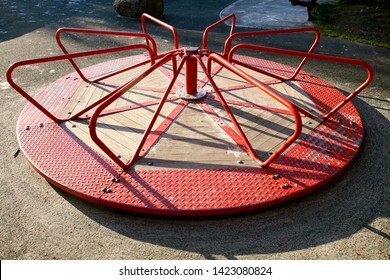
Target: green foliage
{"type": "Point", "coordinates": [323, 12]}
{"type": "Point", "coordinates": [361, 1]}
{"type": "Point", "coordinates": [352, 20]}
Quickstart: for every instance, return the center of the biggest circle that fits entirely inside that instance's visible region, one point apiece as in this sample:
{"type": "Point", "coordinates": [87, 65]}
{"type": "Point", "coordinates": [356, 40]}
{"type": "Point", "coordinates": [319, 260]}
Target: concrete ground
{"type": "Point", "coordinates": [347, 219]}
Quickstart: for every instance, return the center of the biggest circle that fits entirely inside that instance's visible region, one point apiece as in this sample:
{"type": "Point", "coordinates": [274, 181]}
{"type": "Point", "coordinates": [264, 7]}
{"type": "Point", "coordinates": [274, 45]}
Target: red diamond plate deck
{"type": "Point", "coordinates": [228, 181]}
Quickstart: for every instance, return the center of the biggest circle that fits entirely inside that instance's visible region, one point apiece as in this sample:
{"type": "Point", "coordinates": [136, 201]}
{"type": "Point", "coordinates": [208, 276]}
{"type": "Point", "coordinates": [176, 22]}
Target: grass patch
{"type": "Point", "coordinates": [366, 22]}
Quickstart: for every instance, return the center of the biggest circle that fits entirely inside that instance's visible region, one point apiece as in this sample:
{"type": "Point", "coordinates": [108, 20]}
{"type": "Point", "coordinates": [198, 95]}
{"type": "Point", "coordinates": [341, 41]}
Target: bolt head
{"type": "Point", "coordinates": [115, 180]}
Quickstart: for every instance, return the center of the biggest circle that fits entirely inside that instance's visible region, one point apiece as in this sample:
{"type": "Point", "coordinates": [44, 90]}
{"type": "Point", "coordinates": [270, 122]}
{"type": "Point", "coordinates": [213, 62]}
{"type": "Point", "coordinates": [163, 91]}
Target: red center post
{"type": "Point", "coordinates": [191, 91]}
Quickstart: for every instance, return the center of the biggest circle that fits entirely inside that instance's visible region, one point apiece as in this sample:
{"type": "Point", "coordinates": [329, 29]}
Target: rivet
{"type": "Point", "coordinates": [150, 163]}
{"type": "Point", "coordinates": [27, 127]}
{"type": "Point", "coordinates": [41, 125]}
{"type": "Point", "coordinates": [115, 180]}
{"type": "Point", "coordinates": [119, 156]}
{"type": "Point", "coordinates": [275, 176]}
{"type": "Point", "coordinates": [285, 186]}
{"type": "Point", "coordinates": [73, 125]}
{"type": "Point", "coordinates": [240, 162]}
{"type": "Point", "coordinates": [106, 190]}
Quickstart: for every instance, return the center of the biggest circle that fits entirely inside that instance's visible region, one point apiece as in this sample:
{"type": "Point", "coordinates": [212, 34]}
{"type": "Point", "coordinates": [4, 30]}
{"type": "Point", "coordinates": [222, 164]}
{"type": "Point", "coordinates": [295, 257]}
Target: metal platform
{"type": "Point", "coordinates": [251, 133]}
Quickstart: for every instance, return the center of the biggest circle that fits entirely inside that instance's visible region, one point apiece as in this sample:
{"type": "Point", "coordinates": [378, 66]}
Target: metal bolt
{"type": "Point", "coordinates": [240, 162]}
{"type": "Point", "coordinates": [106, 190]}
{"type": "Point", "coordinates": [275, 176]}
{"type": "Point", "coordinates": [150, 163]}
{"type": "Point", "coordinates": [115, 180]}
{"type": "Point", "coordinates": [41, 125]}
{"type": "Point", "coordinates": [285, 186]}
{"type": "Point", "coordinates": [340, 121]}
{"type": "Point", "coordinates": [16, 153]}
{"type": "Point", "coordinates": [27, 127]}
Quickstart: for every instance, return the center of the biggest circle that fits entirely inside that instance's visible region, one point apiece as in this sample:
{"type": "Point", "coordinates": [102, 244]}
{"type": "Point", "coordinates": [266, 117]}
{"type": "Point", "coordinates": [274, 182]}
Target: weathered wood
{"type": "Point", "coordinates": [194, 139]}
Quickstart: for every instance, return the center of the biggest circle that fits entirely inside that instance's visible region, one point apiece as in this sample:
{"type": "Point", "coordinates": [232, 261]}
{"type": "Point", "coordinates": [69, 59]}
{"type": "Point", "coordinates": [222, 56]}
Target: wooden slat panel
{"type": "Point", "coordinates": [193, 140]}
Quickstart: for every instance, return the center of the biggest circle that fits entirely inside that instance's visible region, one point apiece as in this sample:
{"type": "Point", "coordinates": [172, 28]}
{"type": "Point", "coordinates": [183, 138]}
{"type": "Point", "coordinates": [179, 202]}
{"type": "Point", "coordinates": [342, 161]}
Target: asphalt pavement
{"type": "Point", "coordinates": [346, 219]}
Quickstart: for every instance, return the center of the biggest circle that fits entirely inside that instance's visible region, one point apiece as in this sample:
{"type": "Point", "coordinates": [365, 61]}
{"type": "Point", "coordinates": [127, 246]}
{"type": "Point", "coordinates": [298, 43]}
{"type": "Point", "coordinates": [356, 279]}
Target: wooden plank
{"type": "Point", "coordinates": [81, 130]}
{"type": "Point", "coordinates": [185, 143]}
{"type": "Point", "coordinates": [296, 95]}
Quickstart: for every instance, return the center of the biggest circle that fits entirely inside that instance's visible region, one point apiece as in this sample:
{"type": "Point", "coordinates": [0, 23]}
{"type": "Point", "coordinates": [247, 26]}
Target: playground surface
{"type": "Point", "coordinates": [347, 219]}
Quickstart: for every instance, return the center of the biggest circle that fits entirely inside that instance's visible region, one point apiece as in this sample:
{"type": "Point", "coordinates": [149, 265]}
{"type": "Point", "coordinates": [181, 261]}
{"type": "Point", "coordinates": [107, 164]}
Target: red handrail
{"type": "Point", "coordinates": [293, 109]}
{"type": "Point", "coordinates": [229, 41]}
{"type": "Point", "coordinates": [207, 30]}
{"type": "Point", "coordinates": [59, 58]}
{"type": "Point", "coordinates": [101, 32]}
{"type": "Point", "coordinates": [117, 94]}
{"type": "Point", "coordinates": [319, 57]}
{"type": "Point", "coordinates": [163, 24]}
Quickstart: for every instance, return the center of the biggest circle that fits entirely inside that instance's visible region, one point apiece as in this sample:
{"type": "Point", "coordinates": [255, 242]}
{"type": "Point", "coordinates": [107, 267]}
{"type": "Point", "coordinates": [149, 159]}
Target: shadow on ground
{"type": "Point", "coordinates": [338, 210]}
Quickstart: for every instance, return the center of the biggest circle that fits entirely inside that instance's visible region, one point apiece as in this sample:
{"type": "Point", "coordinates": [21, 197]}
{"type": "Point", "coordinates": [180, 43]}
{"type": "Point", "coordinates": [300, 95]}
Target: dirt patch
{"type": "Point", "coordinates": [363, 22]}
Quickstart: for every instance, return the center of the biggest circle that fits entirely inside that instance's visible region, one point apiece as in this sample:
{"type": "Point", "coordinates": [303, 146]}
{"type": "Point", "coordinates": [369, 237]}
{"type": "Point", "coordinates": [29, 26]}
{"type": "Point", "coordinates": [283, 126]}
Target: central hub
{"type": "Point", "coordinates": [191, 50]}
{"type": "Point", "coordinates": [191, 90]}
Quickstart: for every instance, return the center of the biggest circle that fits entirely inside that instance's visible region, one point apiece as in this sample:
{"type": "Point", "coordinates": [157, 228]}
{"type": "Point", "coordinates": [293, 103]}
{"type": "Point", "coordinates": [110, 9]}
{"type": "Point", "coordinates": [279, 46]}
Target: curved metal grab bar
{"type": "Point", "coordinates": [101, 32]}
{"type": "Point", "coordinates": [293, 109]}
{"type": "Point", "coordinates": [229, 41]}
{"type": "Point", "coordinates": [207, 30]}
{"type": "Point", "coordinates": [319, 57]}
{"type": "Point", "coordinates": [163, 24]}
{"type": "Point", "coordinates": [59, 58]}
{"type": "Point", "coordinates": [117, 94]}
